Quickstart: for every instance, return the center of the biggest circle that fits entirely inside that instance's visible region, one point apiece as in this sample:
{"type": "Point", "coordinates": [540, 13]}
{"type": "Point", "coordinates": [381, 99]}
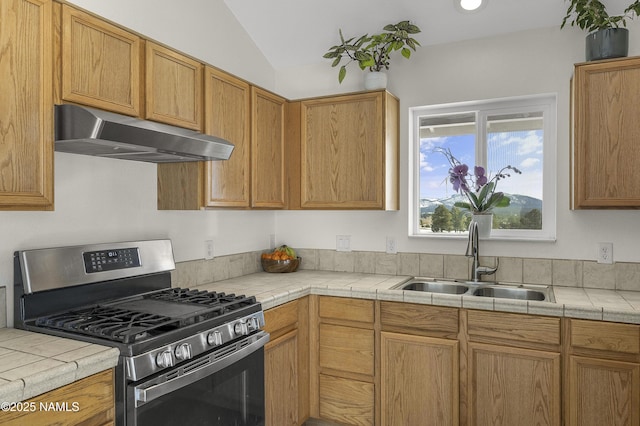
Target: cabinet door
{"type": "Point", "coordinates": [26, 110]}
{"type": "Point", "coordinates": [603, 392]}
{"type": "Point", "coordinates": [173, 87]}
{"type": "Point", "coordinates": [227, 111]}
{"type": "Point", "coordinates": [281, 380]}
{"type": "Point", "coordinates": [419, 380]}
{"type": "Point", "coordinates": [349, 152]}
{"type": "Point", "coordinates": [268, 178]}
{"type": "Point", "coordinates": [100, 63]}
{"type": "Point", "coordinates": [606, 129]}
{"type": "Point", "coordinates": [513, 386]}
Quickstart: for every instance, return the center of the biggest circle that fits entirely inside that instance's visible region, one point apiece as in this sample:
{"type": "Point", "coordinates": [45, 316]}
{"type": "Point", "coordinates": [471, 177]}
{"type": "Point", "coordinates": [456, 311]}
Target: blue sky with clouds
{"type": "Point", "coordinates": [520, 149]}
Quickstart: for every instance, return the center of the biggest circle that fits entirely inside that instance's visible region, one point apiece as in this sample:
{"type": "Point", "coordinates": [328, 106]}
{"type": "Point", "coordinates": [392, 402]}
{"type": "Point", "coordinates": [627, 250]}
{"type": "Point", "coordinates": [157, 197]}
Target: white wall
{"type": "Point", "coordinates": [524, 63]}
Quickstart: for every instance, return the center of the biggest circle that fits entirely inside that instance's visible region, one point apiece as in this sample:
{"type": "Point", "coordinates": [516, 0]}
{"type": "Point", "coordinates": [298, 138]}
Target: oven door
{"type": "Point", "coordinates": [224, 387]}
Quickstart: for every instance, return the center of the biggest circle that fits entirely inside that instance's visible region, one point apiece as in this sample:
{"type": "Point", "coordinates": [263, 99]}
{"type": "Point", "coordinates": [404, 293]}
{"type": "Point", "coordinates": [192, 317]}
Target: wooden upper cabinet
{"type": "Point", "coordinates": [100, 63]}
{"type": "Point", "coordinates": [349, 152]}
{"type": "Point", "coordinates": [26, 110]}
{"type": "Point", "coordinates": [606, 131]}
{"type": "Point", "coordinates": [268, 177]}
{"type": "Point", "coordinates": [173, 87]}
{"type": "Point", "coordinates": [227, 111]}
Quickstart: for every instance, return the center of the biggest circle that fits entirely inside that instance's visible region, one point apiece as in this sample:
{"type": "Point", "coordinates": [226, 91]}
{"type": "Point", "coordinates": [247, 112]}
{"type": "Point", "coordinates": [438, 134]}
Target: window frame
{"type": "Point", "coordinates": [545, 103]}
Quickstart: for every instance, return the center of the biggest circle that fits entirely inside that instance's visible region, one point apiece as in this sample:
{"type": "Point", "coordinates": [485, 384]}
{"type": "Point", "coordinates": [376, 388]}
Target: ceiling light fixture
{"type": "Point", "coordinates": [469, 5]}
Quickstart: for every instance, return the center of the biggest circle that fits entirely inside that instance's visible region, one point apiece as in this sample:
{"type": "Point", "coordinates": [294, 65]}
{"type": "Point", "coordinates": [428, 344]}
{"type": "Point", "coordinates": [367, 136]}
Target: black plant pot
{"type": "Point", "coordinates": [607, 43]}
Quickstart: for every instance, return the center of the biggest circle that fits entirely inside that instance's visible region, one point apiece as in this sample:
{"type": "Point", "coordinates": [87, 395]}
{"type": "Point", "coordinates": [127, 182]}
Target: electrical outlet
{"type": "Point", "coordinates": [605, 252]}
{"type": "Point", "coordinates": [208, 249]}
{"type": "Point", "coordinates": [272, 241]}
{"type": "Point", "coordinates": [392, 248]}
{"type": "Point", "coordinates": [343, 242]}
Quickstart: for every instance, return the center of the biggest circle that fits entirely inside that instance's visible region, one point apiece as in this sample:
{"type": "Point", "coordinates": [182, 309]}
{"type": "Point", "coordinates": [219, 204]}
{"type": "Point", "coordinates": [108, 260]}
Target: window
{"type": "Point", "coordinates": [519, 132]}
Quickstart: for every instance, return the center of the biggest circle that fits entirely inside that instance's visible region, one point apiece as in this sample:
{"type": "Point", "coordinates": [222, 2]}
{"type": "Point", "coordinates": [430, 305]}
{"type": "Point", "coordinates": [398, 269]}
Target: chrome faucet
{"type": "Point", "coordinates": [473, 251]}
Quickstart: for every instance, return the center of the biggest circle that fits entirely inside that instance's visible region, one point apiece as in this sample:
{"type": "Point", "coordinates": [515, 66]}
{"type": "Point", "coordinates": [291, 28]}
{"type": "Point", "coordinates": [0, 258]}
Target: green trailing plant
{"type": "Point", "coordinates": [374, 51]}
{"type": "Point", "coordinates": [591, 15]}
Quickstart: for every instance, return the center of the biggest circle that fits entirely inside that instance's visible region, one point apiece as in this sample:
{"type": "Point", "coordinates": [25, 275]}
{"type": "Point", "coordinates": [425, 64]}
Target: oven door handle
{"type": "Point", "coordinates": [144, 395]}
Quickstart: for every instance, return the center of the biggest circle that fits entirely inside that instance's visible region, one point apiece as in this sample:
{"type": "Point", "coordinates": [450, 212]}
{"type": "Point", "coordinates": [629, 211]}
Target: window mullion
{"type": "Point", "coordinates": [481, 139]}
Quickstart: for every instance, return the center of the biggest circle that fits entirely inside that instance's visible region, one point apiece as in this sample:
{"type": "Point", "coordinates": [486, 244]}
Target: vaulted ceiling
{"type": "Point", "coordinates": [298, 32]}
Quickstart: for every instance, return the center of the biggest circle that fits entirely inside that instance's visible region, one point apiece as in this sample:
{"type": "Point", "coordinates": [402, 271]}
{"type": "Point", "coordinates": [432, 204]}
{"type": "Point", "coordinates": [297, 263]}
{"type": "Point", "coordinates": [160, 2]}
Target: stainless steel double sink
{"type": "Point", "coordinates": [481, 289]}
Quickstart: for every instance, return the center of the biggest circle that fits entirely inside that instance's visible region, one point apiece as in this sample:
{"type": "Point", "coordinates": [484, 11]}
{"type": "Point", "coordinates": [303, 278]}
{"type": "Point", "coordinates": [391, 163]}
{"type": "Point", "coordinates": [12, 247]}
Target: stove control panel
{"type": "Point", "coordinates": [143, 365]}
{"type": "Point", "coordinates": [110, 260]}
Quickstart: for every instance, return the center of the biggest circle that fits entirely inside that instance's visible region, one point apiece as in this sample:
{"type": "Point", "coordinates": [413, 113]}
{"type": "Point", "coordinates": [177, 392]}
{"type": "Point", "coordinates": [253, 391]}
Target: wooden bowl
{"type": "Point", "coordinates": [290, 265]}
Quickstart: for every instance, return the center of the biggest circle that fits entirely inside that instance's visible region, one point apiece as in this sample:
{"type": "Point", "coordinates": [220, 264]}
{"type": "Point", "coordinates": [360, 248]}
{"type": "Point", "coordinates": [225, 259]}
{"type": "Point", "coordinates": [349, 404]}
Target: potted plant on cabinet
{"type": "Point", "coordinates": [373, 52]}
{"type": "Point", "coordinates": [606, 39]}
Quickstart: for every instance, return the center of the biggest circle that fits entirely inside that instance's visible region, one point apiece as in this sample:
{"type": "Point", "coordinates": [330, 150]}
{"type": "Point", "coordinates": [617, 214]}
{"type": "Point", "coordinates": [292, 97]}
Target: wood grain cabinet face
{"type": "Point", "coordinates": [100, 63]}
{"type": "Point", "coordinates": [94, 396]}
{"type": "Point", "coordinates": [287, 364]}
{"type": "Point", "coordinates": [603, 373]}
{"type": "Point", "coordinates": [513, 369]}
{"type": "Point", "coordinates": [345, 372]}
{"type": "Point", "coordinates": [419, 380]}
{"type": "Point", "coordinates": [606, 131]}
{"type": "Point", "coordinates": [26, 111]}
{"type": "Point", "coordinates": [173, 87]}
{"type": "Point", "coordinates": [268, 177]}
{"type": "Point", "coordinates": [227, 115]}
{"type": "Point", "coordinates": [349, 152]}
{"type": "Point", "coordinates": [513, 386]}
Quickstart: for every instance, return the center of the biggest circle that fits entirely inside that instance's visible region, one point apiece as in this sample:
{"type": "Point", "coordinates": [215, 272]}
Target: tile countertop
{"type": "Point", "coordinates": [34, 363]}
{"type": "Point", "coordinates": [275, 289]}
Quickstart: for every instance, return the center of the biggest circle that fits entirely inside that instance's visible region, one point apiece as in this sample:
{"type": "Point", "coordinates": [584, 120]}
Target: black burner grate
{"type": "Point", "coordinates": [226, 302]}
{"type": "Point", "coordinates": [140, 318]}
{"type": "Point", "coordinates": [120, 325]}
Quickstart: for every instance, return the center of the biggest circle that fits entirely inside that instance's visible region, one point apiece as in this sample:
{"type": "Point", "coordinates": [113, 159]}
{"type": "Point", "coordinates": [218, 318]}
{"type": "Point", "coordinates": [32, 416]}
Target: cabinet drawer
{"type": "Point", "coordinates": [605, 336]}
{"type": "Point", "coordinates": [346, 401]}
{"type": "Point", "coordinates": [342, 308]}
{"type": "Point", "coordinates": [346, 349]}
{"type": "Point", "coordinates": [501, 326]}
{"type": "Point", "coordinates": [435, 319]}
{"type": "Point", "coordinates": [284, 317]}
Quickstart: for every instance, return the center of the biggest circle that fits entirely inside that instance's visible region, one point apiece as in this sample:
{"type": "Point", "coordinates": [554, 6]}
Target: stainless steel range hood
{"type": "Point", "coordinates": [90, 131]}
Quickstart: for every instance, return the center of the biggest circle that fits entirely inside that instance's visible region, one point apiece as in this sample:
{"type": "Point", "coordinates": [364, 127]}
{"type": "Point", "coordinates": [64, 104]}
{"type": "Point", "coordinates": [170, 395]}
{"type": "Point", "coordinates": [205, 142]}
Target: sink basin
{"type": "Point", "coordinates": [482, 289]}
{"type": "Point", "coordinates": [510, 293]}
{"type": "Point", "coordinates": [435, 287]}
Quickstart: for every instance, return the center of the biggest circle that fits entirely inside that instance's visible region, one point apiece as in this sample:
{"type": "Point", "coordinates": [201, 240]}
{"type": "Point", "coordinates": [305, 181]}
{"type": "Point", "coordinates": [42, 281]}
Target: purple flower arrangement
{"type": "Point", "coordinates": [479, 189]}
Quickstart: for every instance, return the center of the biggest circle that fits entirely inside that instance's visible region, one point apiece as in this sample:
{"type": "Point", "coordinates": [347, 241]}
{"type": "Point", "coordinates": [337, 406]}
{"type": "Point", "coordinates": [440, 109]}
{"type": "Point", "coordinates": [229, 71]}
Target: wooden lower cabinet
{"type": "Point", "coordinates": [281, 380]}
{"type": "Point", "coordinates": [343, 375]}
{"type": "Point", "coordinates": [419, 380]}
{"type": "Point", "coordinates": [513, 386]}
{"type": "Point", "coordinates": [513, 369]}
{"type": "Point", "coordinates": [603, 392]}
{"type": "Point", "coordinates": [89, 401]}
{"type": "Point", "coordinates": [286, 359]}
{"type": "Point", "coordinates": [603, 374]}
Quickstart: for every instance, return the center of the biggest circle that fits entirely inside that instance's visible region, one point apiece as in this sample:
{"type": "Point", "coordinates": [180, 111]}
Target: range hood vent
{"type": "Point", "coordinates": [90, 131]}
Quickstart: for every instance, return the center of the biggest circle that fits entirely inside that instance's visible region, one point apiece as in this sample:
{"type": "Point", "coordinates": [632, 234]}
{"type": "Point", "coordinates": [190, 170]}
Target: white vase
{"type": "Point", "coordinates": [375, 80]}
{"type": "Point", "coordinates": [485, 223]}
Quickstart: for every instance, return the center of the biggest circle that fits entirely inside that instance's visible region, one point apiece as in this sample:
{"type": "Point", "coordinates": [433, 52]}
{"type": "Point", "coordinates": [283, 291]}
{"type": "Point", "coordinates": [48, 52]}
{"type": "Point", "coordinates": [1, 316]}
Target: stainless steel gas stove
{"type": "Point", "coordinates": [187, 356]}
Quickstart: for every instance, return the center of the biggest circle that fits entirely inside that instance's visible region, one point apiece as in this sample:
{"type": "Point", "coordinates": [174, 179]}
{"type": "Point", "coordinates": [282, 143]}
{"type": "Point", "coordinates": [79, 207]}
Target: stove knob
{"type": "Point", "coordinates": [183, 351]}
{"type": "Point", "coordinates": [252, 324]}
{"type": "Point", "coordinates": [214, 338]}
{"type": "Point", "coordinates": [240, 328]}
{"type": "Point", "coordinates": [164, 359]}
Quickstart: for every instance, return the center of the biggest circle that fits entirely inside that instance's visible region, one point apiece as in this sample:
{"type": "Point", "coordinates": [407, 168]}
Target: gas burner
{"type": "Point", "coordinates": [115, 324]}
{"type": "Point", "coordinates": [227, 302]}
